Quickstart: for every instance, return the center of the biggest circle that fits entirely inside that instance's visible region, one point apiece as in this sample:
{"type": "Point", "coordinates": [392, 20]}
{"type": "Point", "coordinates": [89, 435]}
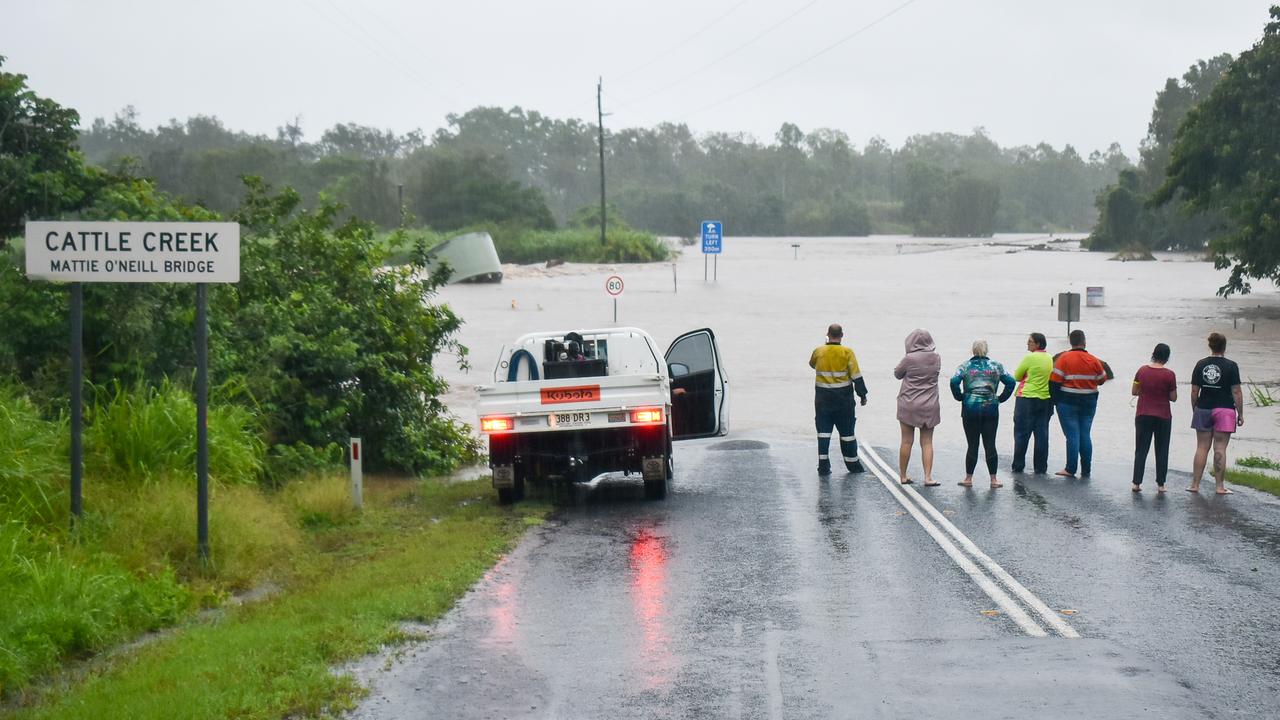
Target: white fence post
{"type": "Point", "coordinates": [357, 473]}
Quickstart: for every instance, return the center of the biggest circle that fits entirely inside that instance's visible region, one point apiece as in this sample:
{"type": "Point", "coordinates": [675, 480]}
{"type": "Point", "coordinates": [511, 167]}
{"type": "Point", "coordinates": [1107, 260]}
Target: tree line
{"type": "Point", "coordinates": [519, 166]}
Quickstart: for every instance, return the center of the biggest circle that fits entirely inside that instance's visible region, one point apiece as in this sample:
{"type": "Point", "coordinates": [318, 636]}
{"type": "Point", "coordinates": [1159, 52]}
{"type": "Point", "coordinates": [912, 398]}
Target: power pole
{"type": "Point", "coordinates": [600, 116]}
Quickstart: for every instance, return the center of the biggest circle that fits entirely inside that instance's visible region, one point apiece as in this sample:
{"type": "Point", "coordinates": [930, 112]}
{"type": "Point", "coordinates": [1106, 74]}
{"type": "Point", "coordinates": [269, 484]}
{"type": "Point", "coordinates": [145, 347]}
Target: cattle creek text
{"type": "Point", "coordinates": [102, 241]}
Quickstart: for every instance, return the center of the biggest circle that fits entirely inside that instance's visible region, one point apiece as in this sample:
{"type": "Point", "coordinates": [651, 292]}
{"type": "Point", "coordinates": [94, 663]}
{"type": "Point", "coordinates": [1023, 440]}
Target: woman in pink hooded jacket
{"type": "Point", "coordinates": [918, 403]}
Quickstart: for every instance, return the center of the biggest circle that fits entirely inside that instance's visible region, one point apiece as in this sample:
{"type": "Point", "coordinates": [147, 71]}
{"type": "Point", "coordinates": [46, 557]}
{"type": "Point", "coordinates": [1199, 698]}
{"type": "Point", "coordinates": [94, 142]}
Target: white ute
{"type": "Point", "coordinates": [565, 407]}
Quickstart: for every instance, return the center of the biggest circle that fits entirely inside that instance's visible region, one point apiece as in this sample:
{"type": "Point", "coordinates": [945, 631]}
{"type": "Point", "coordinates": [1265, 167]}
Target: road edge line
{"type": "Point", "coordinates": [1001, 598]}
{"type": "Point", "coordinates": [1062, 627]}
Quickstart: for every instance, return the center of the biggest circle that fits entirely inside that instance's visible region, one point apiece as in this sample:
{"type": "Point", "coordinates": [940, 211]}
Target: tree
{"type": "Point", "coordinates": [453, 190]}
{"type": "Point", "coordinates": [1227, 155]}
{"type": "Point", "coordinates": [41, 173]}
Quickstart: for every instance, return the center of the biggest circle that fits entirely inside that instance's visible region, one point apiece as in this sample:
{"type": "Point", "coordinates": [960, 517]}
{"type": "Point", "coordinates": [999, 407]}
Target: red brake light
{"type": "Point", "coordinates": [496, 424]}
{"type": "Point", "coordinates": [646, 415]}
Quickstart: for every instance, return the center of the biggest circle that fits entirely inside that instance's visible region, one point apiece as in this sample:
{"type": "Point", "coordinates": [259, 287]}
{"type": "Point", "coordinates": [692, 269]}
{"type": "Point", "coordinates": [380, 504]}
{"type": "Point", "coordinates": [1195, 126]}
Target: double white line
{"type": "Point", "coordinates": [935, 523]}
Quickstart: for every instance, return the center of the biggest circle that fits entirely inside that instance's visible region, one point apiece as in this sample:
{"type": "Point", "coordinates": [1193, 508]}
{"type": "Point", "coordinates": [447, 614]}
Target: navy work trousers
{"type": "Point", "coordinates": [834, 408]}
{"type": "Point", "coordinates": [1031, 418]}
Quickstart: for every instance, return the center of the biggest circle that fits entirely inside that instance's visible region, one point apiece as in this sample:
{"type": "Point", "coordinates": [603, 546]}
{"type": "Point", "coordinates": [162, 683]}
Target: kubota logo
{"type": "Point", "coordinates": [577, 394]}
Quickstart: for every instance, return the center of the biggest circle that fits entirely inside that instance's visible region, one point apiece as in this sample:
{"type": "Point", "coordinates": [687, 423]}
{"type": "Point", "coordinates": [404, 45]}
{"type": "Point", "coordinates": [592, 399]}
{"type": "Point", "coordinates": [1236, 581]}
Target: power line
{"type": "Point", "coordinates": [689, 76]}
{"type": "Point", "coordinates": [804, 61]}
{"type": "Point", "coordinates": [696, 34]}
{"type": "Point", "coordinates": [377, 46]}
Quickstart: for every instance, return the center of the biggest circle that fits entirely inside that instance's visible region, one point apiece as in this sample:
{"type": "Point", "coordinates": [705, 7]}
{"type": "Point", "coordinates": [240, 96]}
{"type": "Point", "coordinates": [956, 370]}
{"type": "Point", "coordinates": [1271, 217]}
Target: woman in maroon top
{"type": "Point", "coordinates": [1155, 386]}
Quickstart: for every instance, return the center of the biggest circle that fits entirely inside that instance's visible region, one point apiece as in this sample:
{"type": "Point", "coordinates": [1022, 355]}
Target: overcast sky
{"type": "Point", "coordinates": [1083, 72]}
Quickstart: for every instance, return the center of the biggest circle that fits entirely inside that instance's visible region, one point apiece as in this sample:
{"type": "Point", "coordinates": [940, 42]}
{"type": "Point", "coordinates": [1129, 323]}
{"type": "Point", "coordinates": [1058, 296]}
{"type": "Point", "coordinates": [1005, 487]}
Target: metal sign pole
{"type": "Point", "coordinates": [615, 310]}
{"type": "Point", "coordinates": [202, 420]}
{"type": "Point", "coordinates": [715, 271]}
{"type": "Point", "coordinates": [77, 404]}
{"type": "Point", "coordinates": [704, 267]}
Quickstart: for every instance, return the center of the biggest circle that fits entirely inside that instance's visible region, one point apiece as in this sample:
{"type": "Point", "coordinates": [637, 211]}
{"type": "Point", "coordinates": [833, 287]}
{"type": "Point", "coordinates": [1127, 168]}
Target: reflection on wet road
{"type": "Point", "coordinates": [758, 590]}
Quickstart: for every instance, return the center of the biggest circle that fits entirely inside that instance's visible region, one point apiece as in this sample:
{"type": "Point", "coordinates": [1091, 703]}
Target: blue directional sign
{"type": "Point", "coordinates": [712, 237]}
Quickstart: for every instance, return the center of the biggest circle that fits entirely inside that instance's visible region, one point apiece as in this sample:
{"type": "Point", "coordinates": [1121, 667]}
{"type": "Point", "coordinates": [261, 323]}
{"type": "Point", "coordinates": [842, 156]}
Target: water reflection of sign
{"type": "Point", "coordinates": [712, 237]}
{"type": "Point", "coordinates": [613, 285]}
{"type": "Point", "coordinates": [1094, 296]}
{"type": "Point", "coordinates": [576, 394]}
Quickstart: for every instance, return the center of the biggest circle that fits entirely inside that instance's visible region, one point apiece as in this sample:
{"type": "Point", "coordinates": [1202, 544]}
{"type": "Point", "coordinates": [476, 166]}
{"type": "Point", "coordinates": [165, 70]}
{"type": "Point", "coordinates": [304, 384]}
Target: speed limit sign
{"type": "Point", "coordinates": [613, 285]}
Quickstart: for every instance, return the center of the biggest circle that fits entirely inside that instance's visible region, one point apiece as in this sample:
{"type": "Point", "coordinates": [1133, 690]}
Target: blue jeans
{"type": "Point", "coordinates": [1076, 417]}
{"type": "Point", "coordinates": [1031, 419]}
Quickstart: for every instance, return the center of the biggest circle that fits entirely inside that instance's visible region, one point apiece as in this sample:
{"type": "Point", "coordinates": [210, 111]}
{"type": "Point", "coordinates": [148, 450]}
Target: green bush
{"type": "Point", "coordinates": [145, 432]}
{"type": "Point", "coordinates": [580, 245]}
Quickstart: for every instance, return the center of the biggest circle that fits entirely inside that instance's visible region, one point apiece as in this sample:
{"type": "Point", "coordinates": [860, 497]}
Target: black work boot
{"type": "Point", "coordinates": [824, 467]}
{"type": "Point", "coordinates": [855, 467]}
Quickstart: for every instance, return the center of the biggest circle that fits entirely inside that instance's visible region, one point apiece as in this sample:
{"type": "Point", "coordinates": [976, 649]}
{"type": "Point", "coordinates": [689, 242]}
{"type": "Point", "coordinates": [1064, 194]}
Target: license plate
{"type": "Point", "coordinates": [570, 419]}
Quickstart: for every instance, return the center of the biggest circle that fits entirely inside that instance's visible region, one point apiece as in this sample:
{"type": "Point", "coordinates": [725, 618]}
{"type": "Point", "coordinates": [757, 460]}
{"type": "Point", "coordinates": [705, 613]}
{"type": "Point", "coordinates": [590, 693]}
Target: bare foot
{"type": "Point", "coordinates": [996, 484]}
{"type": "Point", "coordinates": [1194, 489]}
{"type": "Point", "coordinates": [905, 481]}
{"type": "Point", "coordinates": [1064, 473]}
{"type": "Point", "coordinates": [965, 483]}
{"type": "Point", "coordinates": [1224, 491]}
{"type": "Point", "coordinates": [1136, 488]}
{"type": "Point", "coordinates": [931, 483]}
{"type": "Point", "coordinates": [1161, 490]}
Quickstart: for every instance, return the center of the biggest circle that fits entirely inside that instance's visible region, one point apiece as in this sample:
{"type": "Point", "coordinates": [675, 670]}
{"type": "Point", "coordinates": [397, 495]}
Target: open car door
{"type": "Point", "coordinates": [699, 393]}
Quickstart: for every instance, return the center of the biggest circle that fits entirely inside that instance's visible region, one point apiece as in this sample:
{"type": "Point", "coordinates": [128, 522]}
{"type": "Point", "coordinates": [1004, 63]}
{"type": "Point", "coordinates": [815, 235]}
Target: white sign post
{"type": "Point", "coordinates": [614, 286]}
{"type": "Point", "coordinates": [137, 252]}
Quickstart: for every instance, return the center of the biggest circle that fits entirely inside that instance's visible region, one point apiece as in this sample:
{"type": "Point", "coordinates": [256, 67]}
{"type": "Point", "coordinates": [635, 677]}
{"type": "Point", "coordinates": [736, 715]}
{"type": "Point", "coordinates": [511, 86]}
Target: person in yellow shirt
{"type": "Point", "coordinates": [837, 379]}
{"type": "Point", "coordinates": [1032, 407]}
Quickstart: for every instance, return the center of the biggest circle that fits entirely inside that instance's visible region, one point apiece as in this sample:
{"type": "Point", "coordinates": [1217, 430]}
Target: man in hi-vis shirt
{"type": "Point", "coordinates": [837, 379]}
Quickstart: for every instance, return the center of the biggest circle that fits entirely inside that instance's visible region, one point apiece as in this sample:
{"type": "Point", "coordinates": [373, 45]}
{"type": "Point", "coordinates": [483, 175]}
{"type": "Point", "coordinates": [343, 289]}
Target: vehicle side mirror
{"type": "Point", "coordinates": [677, 369]}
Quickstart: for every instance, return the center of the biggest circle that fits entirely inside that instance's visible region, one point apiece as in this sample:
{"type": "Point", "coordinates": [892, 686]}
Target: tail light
{"type": "Point", "coordinates": [646, 415]}
{"type": "Point", "coordinates": [496, 424]}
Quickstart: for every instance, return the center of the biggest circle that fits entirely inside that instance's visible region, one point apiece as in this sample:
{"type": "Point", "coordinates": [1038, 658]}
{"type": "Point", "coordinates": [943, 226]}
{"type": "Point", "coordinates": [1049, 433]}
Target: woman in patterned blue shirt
{"type": "Point", "coordinates": [974, 385]}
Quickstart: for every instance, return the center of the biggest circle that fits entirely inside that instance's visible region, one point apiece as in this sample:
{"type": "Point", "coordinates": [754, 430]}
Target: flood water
{"type": "Point", "coordinates": [771, 302]}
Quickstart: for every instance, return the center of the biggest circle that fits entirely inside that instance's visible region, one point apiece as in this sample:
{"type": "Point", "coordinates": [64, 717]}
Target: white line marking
{"type": "Point", "coordinates": [1057, 623]}
{"type": "Point", "coordinates": [772, 673]}
{"type": "Point", "coordinates": [1002, 599]}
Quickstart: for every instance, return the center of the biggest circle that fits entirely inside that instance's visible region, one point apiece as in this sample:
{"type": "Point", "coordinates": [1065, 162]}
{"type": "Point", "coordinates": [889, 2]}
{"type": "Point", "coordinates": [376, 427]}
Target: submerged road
{"type": "Point", "coordinates": [758, 590]}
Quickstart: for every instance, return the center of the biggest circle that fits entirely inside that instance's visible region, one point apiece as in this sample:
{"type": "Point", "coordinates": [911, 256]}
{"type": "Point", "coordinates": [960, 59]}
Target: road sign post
{"type": "Point", "coordinates": [137, 252]}
{"type": "Point", "coordinates": [712, 244]}
{"type": "Point", "coordinates": [1068, 308]}
{"type": "Point", "coordinates": [614, 287]}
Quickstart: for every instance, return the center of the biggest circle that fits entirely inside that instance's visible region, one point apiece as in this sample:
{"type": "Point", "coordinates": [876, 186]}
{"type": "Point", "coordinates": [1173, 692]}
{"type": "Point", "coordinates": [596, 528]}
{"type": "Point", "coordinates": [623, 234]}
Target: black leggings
{"type": "Point", "coordinates": [1149, 428]}
{"type": "Point", "coordinates": [981, 424]}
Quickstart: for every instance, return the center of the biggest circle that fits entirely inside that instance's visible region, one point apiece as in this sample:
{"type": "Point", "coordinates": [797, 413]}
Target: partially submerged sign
{"type": "Point", "coordinates": [136, 252]}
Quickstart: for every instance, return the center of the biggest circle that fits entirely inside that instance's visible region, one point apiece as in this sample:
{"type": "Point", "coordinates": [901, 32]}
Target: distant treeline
{"type": "Point", "coordinates": [522, 168]}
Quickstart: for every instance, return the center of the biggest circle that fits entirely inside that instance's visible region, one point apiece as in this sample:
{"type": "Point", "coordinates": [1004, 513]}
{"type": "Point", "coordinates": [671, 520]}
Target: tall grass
{"type": "Point", "coordinates": [31, 474]}
{"type": "Point", "coordinates": [147, 432]}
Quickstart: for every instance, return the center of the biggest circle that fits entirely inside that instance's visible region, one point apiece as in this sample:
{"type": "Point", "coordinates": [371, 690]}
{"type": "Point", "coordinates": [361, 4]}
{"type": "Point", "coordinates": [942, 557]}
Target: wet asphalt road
{"type": "Point", "coordinates": [758, 590]}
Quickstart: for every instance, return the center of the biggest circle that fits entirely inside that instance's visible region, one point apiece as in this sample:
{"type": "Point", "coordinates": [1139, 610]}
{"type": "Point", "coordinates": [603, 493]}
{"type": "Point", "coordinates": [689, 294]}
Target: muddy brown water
{"type": "Point", "coordinates": [770, 304]}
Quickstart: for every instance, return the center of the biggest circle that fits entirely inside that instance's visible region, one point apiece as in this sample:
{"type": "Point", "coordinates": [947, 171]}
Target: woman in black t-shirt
{"type": "Point", "coordinates": [1217, 409]}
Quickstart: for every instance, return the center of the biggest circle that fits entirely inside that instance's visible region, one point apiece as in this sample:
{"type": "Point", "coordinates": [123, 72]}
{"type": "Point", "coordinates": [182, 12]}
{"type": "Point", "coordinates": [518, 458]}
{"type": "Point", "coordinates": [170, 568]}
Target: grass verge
{"type": "Point", "coordinates": [1255, 480]}
{"type": "Point", "coordinates": [414, 549]}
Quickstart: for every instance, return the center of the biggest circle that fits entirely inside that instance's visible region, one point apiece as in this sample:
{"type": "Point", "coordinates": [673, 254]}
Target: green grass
{"type": "Point", "coordinates": [1261, 395]}
{"type": "Point", "coordinates": [1258, 462]}
{"type": "Point", "coordinates": [416, 548]}
{"type": "Point", "coordinates": [1255, 480]}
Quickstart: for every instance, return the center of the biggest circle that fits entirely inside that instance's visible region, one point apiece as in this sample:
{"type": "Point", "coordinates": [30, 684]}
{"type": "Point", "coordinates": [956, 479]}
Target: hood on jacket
{"type": "Point", "coordinates": [919, 341]}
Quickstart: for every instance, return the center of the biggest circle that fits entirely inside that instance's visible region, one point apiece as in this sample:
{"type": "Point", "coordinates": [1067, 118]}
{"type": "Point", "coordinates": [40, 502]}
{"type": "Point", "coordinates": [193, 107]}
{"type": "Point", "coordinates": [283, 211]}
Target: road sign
{"type": "Point", "coordinates": [1069, 307]}
{"type": "Point", "coordinates": [712, 237]}
{"type": "Point", "coordinates": [134, 252]}
{"type": "Point", "coordinates": [613, 285]}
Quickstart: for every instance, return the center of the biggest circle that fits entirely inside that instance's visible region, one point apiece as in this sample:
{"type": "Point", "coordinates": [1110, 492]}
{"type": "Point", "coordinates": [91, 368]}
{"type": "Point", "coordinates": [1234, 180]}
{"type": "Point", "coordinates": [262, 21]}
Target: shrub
{"type": "Point", "coordinates": [584, 246]}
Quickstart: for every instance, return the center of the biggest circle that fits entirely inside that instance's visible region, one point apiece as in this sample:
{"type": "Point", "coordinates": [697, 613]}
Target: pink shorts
{"type": "Point", "coordinates": [1221, 420]}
